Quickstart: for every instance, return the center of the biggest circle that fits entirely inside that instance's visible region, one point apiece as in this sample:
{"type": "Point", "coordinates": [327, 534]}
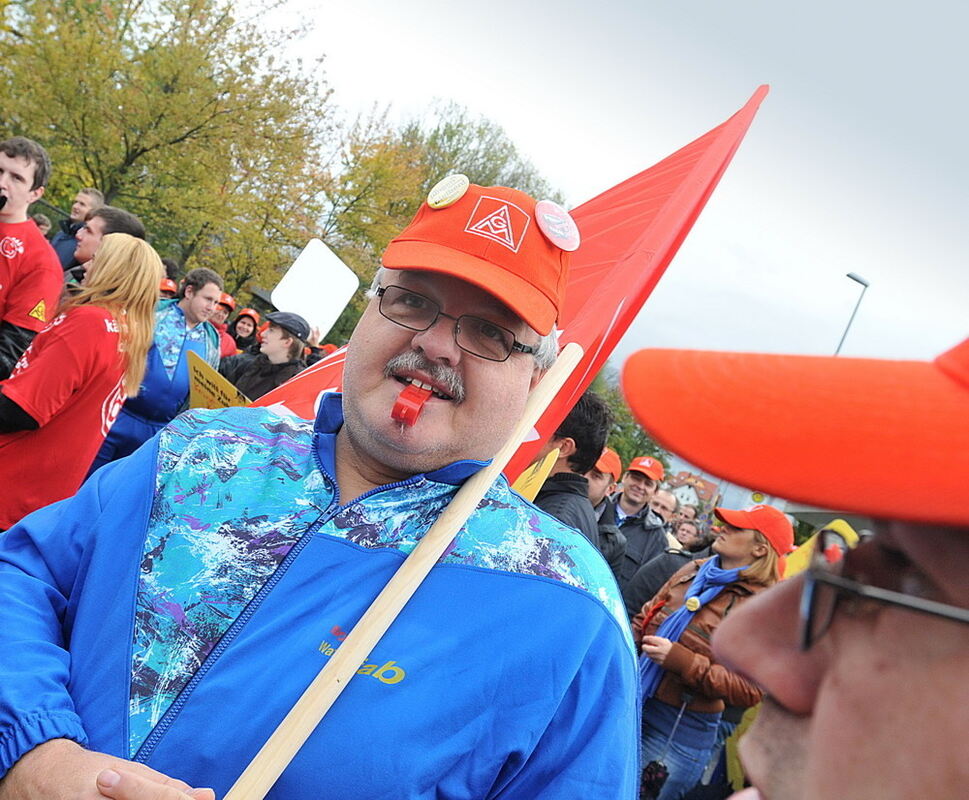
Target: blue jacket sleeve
{"type": "Point", "coordinates": [44, 561]}
{"type": "Point", "coordinates": [590, 747]}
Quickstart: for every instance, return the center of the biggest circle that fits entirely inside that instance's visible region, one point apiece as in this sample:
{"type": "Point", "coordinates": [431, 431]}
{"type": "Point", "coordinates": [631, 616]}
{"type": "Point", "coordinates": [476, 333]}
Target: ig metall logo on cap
{"type": "Point", "coordinates": [500, 221]}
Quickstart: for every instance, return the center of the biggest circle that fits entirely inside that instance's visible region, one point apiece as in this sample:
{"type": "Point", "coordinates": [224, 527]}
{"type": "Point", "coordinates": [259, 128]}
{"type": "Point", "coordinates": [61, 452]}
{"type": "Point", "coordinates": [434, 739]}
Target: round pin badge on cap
{"type": "Point", "coordinates": [557, 225]}
{"type": "Point", "coordinates": [448, 191]}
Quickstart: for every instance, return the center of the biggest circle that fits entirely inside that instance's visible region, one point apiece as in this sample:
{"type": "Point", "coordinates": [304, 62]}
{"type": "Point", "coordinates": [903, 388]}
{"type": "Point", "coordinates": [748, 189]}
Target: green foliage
{"type": "Point", "coordinates": [179, 113]}
{"type": "Point", "coordinates": [385, 173]}
{"type": "Point", "coordinates": [627, 438]}
{"type": "Point", "coordinates": [451, 140]}
{"type": "Point", "coordinates": [184, 114]}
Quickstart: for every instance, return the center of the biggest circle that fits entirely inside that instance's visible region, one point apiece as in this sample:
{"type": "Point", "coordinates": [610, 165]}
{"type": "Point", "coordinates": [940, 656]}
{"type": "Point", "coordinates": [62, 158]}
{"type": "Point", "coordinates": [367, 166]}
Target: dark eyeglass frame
{"type": "Point", "coordinates": [515, 347]}
{"type": "Point", "coordinates": [819, 575]}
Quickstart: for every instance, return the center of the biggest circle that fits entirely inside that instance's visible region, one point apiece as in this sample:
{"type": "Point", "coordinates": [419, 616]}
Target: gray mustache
{"type": "Point", "coordinates": [440, 373]}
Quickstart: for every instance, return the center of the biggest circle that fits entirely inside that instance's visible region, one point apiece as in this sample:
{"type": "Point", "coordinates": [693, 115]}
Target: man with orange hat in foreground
{"type": "Point", "coordinates": [863, 659]}
{"type": "Point", "coordinates": [171, 613]}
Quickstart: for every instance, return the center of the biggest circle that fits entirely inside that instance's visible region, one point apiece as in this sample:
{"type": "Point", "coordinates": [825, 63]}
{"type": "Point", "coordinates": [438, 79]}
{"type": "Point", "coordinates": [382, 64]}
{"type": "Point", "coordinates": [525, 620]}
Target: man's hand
{"type": "Point", "coordinates": [656, 647]}
{"type": "Point", "coordinates": [123, 785]}
{"type": "Point", "coordinates": [63, 770]}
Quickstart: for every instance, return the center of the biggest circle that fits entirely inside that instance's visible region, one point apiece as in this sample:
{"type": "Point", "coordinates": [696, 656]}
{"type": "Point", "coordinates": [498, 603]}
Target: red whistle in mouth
{"type": "Point", "coordinates": [408, 405]}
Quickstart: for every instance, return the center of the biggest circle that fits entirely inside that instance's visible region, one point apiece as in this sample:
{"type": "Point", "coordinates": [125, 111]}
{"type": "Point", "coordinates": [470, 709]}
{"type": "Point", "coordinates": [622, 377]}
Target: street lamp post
{"type": "Point", "coordinates": [864, 286]}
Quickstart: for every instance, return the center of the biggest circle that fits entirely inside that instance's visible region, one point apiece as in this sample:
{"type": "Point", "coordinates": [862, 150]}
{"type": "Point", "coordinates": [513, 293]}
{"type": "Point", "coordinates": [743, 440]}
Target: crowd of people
{"type": "Point", "coordinates": [159, 621]}
{"type": "Point", "coordinates": [664, 558]}
{"type": "Point", "coordinates": [95, 335]}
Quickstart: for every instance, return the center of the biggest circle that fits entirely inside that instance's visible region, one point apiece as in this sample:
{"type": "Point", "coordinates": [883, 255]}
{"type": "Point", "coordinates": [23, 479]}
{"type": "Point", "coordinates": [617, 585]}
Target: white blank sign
{"type": "Point", "coordinates": [317, 286]}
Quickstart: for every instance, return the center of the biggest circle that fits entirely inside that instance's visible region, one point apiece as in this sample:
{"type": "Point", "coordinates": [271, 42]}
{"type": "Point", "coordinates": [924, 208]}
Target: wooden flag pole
{"type": "Point", "coordinates": [274, 756]}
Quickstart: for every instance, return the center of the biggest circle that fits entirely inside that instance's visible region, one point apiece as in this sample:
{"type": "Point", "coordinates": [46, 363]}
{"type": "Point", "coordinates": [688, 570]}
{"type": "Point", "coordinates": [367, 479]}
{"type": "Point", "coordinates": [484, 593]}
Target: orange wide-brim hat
{"type": "Point", "coordinates": [490, 237]}
{"type": "Point", "coordinates": [877, 437]}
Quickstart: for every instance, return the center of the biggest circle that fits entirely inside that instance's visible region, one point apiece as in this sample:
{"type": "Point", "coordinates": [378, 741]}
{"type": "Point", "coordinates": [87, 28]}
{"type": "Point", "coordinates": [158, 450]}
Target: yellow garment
{"type": "Point", "coordinates": [799, 560]}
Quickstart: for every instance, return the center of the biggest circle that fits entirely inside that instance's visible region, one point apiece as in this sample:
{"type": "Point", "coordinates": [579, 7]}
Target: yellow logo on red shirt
{"type": "Point", "coordinates": [39, 311]}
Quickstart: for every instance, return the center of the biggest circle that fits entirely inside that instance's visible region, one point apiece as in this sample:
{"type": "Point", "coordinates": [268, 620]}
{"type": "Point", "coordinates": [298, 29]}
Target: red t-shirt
{"type": "Point", "coordinates": [70, 380]}
{"type": "Point", "coordinates": [31, 278]}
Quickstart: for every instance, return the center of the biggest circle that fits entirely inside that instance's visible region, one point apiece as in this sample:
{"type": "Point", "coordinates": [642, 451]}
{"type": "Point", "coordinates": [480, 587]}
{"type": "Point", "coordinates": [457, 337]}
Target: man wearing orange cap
{"type": "Point", "coordinates": [167, 289]}
{"type": "Point", "coordinates": [644, 529]}
{"type": "Point", "coordinates": [603, 479]}
{"type": "Point", "coordinates": [214, 572]}
{"type": "Point", "coordinates": [225, 306]}
{"type": "Point", "coordinates": [863, 658]}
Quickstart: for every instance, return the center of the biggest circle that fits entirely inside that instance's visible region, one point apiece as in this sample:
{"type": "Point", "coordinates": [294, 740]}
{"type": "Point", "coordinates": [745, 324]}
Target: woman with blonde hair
{"type": "Point", "coordinates": [59, 402]}
{"type": "Point", "coordinates": [684, 689]}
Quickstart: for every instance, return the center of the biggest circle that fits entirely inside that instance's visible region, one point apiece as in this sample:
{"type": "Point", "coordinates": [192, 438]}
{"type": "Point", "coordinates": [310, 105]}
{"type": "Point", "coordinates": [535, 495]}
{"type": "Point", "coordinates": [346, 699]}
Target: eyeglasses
{"type": "Point", "coordinates": [474, 335]}
{"type": "Point", "coordinates": [825, 585]}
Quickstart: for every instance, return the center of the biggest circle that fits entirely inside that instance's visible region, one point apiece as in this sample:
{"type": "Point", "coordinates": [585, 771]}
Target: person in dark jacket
{"type": "Point", "coordinates": [65, 240]}
{"type": "Point", "coordinates": [644, 529]}
{"type": "Point", "coordinates": [579, 439]}
{"type": "Point", "coordinates": [603, 479]}
{"type": "Point", "coordinates": [243, 329]}
{"type": "Point", "coordinates": [280, 356]}
{"type": "Point", "coordinates": [651, 576]}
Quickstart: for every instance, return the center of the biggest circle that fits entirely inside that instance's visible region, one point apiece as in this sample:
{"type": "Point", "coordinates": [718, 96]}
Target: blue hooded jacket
{"type": "Point", "coordinates": [174, 610]}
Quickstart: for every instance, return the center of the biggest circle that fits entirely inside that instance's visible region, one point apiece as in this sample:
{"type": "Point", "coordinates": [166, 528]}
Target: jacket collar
{"type": "Point", "coordinates": [645, 514]}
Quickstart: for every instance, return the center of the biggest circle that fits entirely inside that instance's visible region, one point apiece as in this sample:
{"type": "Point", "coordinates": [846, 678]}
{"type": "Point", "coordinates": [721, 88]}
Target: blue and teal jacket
{"type": "Point", "coordinates": [174, 610]}
{"type": "Point", "coordinates": [165, 387]}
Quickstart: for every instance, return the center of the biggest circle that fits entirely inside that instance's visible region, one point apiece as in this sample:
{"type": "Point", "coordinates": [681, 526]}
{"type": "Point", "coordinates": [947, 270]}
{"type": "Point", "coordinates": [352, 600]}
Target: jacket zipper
{"type": "Point", "coordinates": [168, 718]}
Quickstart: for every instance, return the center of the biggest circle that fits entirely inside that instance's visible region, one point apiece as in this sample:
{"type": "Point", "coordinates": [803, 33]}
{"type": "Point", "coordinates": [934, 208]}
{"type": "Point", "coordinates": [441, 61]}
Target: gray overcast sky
{"type": "Point", "coordinates": [855, 162]}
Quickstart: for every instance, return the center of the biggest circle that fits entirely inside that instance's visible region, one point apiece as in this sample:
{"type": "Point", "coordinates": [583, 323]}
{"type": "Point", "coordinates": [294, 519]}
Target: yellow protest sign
{"type": "Point", "coordinates": [531, 480]}
{"type": "Point", "coordinates": [208, 389]}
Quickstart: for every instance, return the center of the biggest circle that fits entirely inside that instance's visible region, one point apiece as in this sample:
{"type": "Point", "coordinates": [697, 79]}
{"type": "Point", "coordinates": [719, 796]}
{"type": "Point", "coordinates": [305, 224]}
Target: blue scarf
{"type": "Point", "coordinates": [707, 584]}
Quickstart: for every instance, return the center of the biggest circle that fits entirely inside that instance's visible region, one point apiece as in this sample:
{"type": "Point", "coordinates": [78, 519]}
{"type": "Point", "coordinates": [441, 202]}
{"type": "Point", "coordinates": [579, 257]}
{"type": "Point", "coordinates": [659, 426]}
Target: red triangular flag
{"type": "Point", "coordinates": [630, 233]}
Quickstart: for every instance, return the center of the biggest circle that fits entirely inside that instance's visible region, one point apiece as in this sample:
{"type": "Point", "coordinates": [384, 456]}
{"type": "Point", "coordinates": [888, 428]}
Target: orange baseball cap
{"type": "Point", "coordinates": [167, 285]}
{"type": "Point", "coordinates": [771, 522]}
{"type": "Point", "coordinates": [610, 462]}
{"type": "Point", "coordinates": [228, 301]}
{"type": "Point", "coordinates": [885, 438]}
{"type": "Point", "coordinates": [492, 237]}
{"type": "Point", "coordinates": [648, 466]}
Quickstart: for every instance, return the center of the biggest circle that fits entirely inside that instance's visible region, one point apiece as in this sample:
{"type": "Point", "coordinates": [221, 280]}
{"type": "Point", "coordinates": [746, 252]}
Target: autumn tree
{"type": "Point", "coordinates": [185, 114]}
{"type": "Point", "coordinates": [179, 112]}
{"type": "Point", "coordinates": [385, 172]}
{"type": "Point", "coordinates": [452, 139]}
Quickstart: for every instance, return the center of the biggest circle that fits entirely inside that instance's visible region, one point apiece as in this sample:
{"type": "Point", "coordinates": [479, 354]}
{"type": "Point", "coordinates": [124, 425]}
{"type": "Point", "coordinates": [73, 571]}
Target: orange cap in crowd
{"type": "Point", "coordinates": [771, 522]}
{"type": "Point", "coordinates": [496, 238]}
{"type": "Point", "coordinates": [228, 301]}
{"type": "Point", "coordinates": [167, 285]}
{"type": "Point", "coordinates": [648, 466]}
{"type": "Point", "coordinates": [886, 438]}
{"type": "Point", "coordinates": [251, 313]}
{"type": "Point", "coordinates": [610, 462]}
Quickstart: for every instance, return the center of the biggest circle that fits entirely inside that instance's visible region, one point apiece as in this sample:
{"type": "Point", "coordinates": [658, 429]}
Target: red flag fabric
{"type": "Point", "coordinates": [630, 233]}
